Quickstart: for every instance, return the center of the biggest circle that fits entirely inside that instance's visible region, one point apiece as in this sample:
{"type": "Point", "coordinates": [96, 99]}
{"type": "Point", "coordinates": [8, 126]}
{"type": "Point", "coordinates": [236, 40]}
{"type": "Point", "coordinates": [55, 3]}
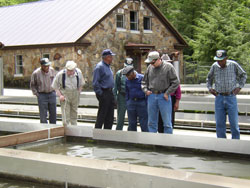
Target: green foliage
{"type": "Point", "coordinates": [13, 2]}
{"type": "Point", "coordinates": [208, 26]}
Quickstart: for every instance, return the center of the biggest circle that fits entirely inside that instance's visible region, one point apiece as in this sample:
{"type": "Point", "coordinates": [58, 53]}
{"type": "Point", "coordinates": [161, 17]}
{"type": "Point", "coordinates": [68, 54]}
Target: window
{"type": "Point", "coordinates": [147, 23]}
{"type": "Point", "coordinates": [19, 64]}
{"type": "Point", "coordinates": [46, 55]}
{"type": "Point", "coordinates": [133, 20]}
{"type": "Point", "coordinates": [120, 21]}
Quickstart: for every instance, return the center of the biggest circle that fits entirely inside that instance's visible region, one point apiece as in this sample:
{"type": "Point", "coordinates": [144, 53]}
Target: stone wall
{"type": "Point", "coordinates": [103, 35]}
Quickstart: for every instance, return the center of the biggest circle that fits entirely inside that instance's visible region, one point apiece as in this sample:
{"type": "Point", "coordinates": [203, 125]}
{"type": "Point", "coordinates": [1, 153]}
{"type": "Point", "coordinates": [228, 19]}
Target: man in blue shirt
{"type": "Point", "coordinates": [135, 100]}
{"type": "Point", "coordinates": [103, 83]}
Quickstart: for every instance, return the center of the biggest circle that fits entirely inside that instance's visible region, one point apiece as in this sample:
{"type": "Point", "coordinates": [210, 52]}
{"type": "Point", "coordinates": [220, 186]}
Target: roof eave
{"type": "Point", "coordinates": [73, 44]}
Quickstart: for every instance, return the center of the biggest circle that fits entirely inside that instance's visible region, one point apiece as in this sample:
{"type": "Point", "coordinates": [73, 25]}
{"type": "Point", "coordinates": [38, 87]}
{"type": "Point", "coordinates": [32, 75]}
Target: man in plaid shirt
{"type": "Point", "coordinates": [229, 78]}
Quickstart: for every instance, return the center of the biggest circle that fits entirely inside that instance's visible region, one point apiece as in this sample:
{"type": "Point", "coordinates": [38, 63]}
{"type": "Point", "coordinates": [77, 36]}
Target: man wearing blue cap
{"type": "Point", "coordinates": [40, 84]}
{"type": "Point", "coordinates": [103, 84]}
{"type": "Point", "coordinates": [120, 92]}
{"type": "Point", "coordinates": [229, 78]}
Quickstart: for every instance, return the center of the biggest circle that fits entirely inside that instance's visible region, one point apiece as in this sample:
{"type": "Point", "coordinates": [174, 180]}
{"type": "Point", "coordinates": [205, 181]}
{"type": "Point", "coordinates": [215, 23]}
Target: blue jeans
{"type": "Point", "coordinates": [47, 102]}
{"type": "Point", "coordinates": [156, 103]}
{"type": "Point", "coordinates": [223, 105]}
{"type": "Point", "coordinates": [137, 109]}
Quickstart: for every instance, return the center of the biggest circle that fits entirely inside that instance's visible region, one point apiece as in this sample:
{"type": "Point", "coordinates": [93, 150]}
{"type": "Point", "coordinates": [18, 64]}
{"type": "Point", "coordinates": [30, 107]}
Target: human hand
{"type": "Point", "coordinates": [62, 98]}
{"type": "Point", "coordinates": [148, 93]}
{"type": "Point", "coordinates": [213, 92]}
{"type": "Point", "coordinates": [236, 90]}
{"type": "Point", "coordinates": [176, 105]}
{"type": "Point", "coordinates": [166, 96]}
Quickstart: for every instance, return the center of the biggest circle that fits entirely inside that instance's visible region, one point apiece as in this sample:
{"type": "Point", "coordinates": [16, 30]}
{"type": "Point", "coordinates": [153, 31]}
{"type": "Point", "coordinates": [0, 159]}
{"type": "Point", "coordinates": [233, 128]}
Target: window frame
{"type": "Point", "coordinates": [46, 55]}
{"type": "Point", "coordinates": [122, 22]}
{"type": "Point", "coordinates": [18, 65]}
{"type": "Point", "coordinates": [136, 22]}
{"type": "Point", "coordinates": [150, 23]}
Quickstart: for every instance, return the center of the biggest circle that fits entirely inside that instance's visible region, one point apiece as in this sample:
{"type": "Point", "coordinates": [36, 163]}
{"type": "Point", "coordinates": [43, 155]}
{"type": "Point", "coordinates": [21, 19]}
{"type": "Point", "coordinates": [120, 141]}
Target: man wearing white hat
{"type": "Point", "coordinates": [68, 85]}
{"type": "Point", "coordinates": [160, 80]}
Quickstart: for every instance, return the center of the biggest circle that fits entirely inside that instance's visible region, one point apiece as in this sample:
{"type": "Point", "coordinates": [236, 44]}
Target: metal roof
{"type": "Point", "coordinates": [51, 21]}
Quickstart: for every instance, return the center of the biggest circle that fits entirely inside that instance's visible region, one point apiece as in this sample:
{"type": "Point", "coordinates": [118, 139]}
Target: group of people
{"type": "Point", "coordinates": [145, 97]}
{"type": "Point", "coordinates": [151, 98]}
{"type": "Point", "coordinates": [66, 84]}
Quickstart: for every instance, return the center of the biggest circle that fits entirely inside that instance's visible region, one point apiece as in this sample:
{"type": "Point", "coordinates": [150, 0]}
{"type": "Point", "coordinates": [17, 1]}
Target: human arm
{"type": "Point", "coordinates": [209, 80]}
{"type": "Point", "coordinates": [33, 84]}
{"type": "Point", "coordinates": [117, 83]}
{"type": "Point", "coordinates": [144, 84]}
{"type": "Point", "coordinates": [173, 80]}
{"type": "Point", "coordinates": [96, 81]}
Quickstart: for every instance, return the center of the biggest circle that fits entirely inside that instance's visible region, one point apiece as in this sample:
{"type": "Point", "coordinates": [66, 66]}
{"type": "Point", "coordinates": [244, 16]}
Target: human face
{"type": "Point", "coordinates": [70, 72]}
{"type": "Point", "coordinates": [131, 75]}
{"type": "Point", "coordinates": [45, 68]}
{"type": "Point", "coordinates": [222, 63]}
{"type": "Point", "coordinates": [108, 59]}
{"type": "Point", "coordinates": [155, 62]}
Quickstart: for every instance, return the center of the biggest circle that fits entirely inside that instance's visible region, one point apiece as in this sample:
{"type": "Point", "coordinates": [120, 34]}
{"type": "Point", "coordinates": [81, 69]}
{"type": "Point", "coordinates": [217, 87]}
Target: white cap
{"type": "Point", "coordinates": [70, 65]}
{"type": "Point", "coordinates": [152, 56]}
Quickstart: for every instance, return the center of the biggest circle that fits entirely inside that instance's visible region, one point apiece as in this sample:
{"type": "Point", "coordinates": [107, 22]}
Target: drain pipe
{"type": "Point", "coordinates": [1, 76]}
{"type": "Point", "coordinates": [1, 70]}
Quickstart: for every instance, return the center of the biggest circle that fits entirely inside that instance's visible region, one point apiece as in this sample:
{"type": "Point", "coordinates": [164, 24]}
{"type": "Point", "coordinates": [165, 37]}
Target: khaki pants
{"type": "Point", "coordinates": [69, 106]}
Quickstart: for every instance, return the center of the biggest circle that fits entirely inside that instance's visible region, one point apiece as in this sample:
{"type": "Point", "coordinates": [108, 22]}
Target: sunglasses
{"type": "Point", "coordinates": [153, 62]}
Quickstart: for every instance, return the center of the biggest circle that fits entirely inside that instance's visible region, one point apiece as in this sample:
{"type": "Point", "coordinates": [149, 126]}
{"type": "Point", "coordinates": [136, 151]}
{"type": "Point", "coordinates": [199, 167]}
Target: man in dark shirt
{"type": "Point", "coordinates": [160, 80]}
{"type": "Point", "coordinates": [135, 100]}
{"type": "Point", "coordinates": [103, 83]}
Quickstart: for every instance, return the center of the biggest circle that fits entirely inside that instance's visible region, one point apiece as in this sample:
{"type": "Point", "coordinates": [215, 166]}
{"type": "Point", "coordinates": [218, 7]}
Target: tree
{"type": "Point", "coordinates": [223, 28]}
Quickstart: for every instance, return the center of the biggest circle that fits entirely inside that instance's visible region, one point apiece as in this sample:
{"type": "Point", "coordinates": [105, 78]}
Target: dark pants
{"type": "Point", "coordinates": [137, 109]}
{"type": "Point", "coordinates": [160, 122]}
{"type": "Point", "coordinates": [105, 113]}
{"type": "Point", "coordinates": [47, 102]}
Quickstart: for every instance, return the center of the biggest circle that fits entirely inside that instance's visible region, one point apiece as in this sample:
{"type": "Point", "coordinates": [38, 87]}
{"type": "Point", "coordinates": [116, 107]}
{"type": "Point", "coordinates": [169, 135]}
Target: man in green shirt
{"type": "Point", "coordinates": [120, 92]}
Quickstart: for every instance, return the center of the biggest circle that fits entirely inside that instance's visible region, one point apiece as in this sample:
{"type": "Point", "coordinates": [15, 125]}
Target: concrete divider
{"type": "Point", "coordinates": [56, 168]}
{"type": "Point", "coordinates": [99, 173]}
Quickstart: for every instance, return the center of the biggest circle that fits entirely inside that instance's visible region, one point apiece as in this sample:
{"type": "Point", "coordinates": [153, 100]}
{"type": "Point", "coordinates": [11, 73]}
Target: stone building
{"type": "Point", "coordinates": [79, 30]}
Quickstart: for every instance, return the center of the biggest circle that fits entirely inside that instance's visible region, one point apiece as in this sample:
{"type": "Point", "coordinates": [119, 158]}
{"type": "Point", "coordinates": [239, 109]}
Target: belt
{"type": "Point", "coordinates": [158, 91]}
{"type": "Point", "coordinates": [107, 89]}
{"type": "Point", "coordinates": [226, 94]}
{"type": "Point", "coordinates": [46, 92]}
{"type": "Point", "coordinates": [137, 99]}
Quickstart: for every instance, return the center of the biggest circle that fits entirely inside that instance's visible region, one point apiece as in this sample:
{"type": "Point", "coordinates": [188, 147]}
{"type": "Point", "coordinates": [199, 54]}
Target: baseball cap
{"type": "Point", "coordinates": [70, 65]}
{"type": "Point", "coordinates": [152, 56]}
{"type": "Point", "coordinates": [127, 70]}
{"type": "Point", "coordinates": [45, 62]}
{"type": "Point", "coordinates": [128, 62]}
{"type": "Point", "coordinates": [220, 55]}
{"type": "Point", "coordinates": [107, 52]}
